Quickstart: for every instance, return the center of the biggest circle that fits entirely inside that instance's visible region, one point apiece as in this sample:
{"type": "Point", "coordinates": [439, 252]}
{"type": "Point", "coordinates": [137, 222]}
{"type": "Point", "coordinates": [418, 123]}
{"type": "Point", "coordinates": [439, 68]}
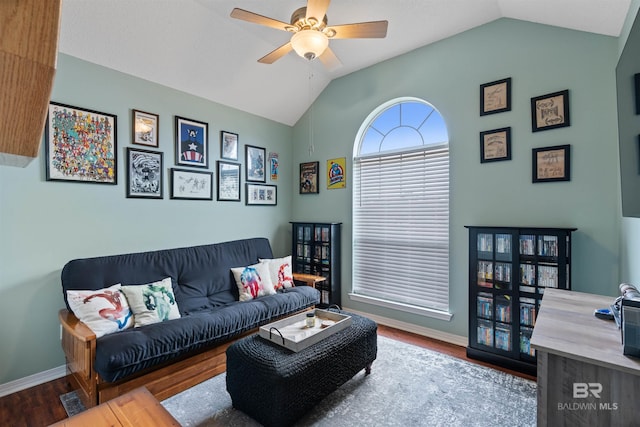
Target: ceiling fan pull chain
{"type": "Point", "coordinates": [311, 146]}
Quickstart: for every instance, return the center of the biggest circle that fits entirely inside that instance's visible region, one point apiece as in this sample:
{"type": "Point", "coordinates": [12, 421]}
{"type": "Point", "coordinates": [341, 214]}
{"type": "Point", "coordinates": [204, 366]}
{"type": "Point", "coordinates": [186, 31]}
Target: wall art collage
{"type": "Point", "coordinates": [81, 146]}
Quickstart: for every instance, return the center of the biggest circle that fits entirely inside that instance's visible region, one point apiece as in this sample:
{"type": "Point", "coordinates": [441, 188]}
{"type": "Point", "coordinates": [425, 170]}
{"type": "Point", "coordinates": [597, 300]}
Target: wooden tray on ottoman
{"type": "Point", "coordinates": [292, 332]}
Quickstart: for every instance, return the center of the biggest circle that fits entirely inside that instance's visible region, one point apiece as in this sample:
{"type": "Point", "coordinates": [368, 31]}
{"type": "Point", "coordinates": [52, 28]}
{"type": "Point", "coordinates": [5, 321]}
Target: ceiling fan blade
{"type": "Point", "coordinates": [361, 30]}
{"type": "Point", "coordinates": [245, 15]}
{"type": "Point", "coordinates": [276, 54]}
{"type": "Point", "coordinates": [317, 9]}
{"type": "Point", "coordinates": [330, 60]}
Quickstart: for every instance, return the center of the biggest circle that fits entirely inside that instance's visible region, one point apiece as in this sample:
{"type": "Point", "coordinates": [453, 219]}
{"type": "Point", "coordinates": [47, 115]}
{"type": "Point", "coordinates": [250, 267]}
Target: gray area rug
{"type": "Point", "coordinates": [408, 386]}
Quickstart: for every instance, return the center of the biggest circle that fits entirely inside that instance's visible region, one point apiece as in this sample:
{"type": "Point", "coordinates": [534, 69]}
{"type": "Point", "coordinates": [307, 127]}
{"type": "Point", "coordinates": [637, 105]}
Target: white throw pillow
{"type": "Point", "coordinates": [253, 281]}
{"type": "Point", "coordinates": [280, 272]}
{"type": "Point", "coordinates": [105, 311]}
{"type": "Point", "coordinates": [152, 303]}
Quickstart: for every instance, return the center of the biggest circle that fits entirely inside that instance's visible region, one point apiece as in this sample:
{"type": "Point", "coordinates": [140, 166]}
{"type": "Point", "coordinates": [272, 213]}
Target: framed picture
{"type": "Point", "coordinates": [495, 145]}
{"type": "Point", "coordinates": [261, 194]}
{"type": "Point", "coordinates": [495, 97]}
{"type": "Point", "coordinates": [255, 163]}
{"type": "Point", "coordinates": [144, 174]}
{"type": "Point", "coordinates": [636, 79]}
{"type": "Point", "coordinates": [191, 185]}
{"type": "Point", "coordinates": [228, 181]}
{"type": "Point", "coordinates": [228, 145]}
{"type": "Point", "coordinates": [192, 143]}
{"type": "Point", "coordinates": [274, 165]}
{"type": "Point", "coordinates": [309, 178]}
{"type": "Point", "coordinates": [550, 111]}
{"type": "Point", "coordinates": [551, 164]}
{"type": "Point", "coordinates": [145, 128]}
{"type": "Point", "coordinates": [80, 145]}
{"type": "Point", "coordinates": [336, 173]}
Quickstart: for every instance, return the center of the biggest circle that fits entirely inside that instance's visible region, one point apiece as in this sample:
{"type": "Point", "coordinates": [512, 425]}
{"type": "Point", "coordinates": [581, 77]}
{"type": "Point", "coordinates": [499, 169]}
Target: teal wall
{"type": "Point", "coordinates": [45, 224]}
{"type": "Point", "coordinates": [540, 59]}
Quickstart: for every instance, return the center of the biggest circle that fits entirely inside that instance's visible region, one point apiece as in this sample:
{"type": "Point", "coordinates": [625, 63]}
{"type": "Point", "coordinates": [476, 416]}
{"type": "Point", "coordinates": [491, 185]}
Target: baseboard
{"type": "Point", "coordinates": [32, 380]}
{"type": "Point", "coordinates": [410, 327]}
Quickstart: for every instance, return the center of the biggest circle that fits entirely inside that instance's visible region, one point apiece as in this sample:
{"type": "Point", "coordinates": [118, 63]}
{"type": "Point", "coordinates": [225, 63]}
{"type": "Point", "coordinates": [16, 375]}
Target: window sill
{"type": "Point", "coordinates": [427, 312]}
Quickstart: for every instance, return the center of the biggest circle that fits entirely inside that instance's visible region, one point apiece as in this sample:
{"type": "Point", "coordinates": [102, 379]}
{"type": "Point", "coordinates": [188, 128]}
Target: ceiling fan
{"type": "Point", "coordinates": [311, 32]}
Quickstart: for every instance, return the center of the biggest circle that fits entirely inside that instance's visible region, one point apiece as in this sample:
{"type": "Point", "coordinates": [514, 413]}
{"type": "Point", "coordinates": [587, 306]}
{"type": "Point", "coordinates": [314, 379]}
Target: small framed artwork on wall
{"type": "Point", "coordinates": [145, 128]}
{"type": "Point", "coordinates": [228, 145]}
{"type": "Point", "coordinates": [192, 143]}
{"type": "Point", "coordinates": [144, 174]}
{"type": "Point", "coordinates": [550, 111]}
{"type": "Point", "coordinates": [87, 156]}
{"type": "Point", "coordinates": [495, 97]}
{"type": "Point", "coordinates": [228, 181]}
{"type": "Point", "coordinates": [551, 164]}
{"type": "Point", "coordinates": [255, 158]}
{"type": "Point", "coordinates": [191, 185]}
{"type": "Point", "coordinates": [495, 145]}
{"type": "Point", "coordinates": [261, 194]}
{"type": "Point", "coordinates": [309, 178]}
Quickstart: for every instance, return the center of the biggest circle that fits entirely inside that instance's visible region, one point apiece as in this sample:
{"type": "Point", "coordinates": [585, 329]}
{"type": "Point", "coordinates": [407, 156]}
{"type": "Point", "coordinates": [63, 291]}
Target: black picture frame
{"type": "Point", "coordinates": [261, 194]}
{"type": "Point", "coordinates": [495, 145]}
{"type": "Point", "coordinates": [309, 178]}
{"type": "Point", "coordinates": [550, 111]}
{"type": "Point", "coordinates": [636, 79]}
{"type": "Point", "coordinates": [144, 128]}
{"type": "Point", "coordinates": [144, 174]}
{"type": "Point", "coordinates": [88, 157]}
{"type": "Point", "coordinates": [229, 145]}
{"type": "Point", "coordinates": [192, 142]}
{"type": "Point", "coordinates": [255, 163]}
{"type": "Point", "coordinates": [191, 184]}
{"type": "Point", "coordinates": [228, 181]}
{"type": "Point", "coordinates": [551, 164]}
{"type": "Point", "coordinates": [495, 97]}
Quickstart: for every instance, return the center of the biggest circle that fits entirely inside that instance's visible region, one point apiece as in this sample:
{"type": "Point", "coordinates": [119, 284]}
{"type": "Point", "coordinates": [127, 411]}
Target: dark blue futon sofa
{"type": "Point", "coordinates": [170, 356]}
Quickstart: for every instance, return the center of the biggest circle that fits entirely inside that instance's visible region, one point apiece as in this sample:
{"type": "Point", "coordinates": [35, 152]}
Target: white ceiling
{"type": "Point", "coordinates": [194, 46]}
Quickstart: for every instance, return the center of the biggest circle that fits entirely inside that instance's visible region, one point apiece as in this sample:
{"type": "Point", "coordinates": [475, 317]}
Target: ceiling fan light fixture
{"type": "Point", "coordinates": [309, 44]}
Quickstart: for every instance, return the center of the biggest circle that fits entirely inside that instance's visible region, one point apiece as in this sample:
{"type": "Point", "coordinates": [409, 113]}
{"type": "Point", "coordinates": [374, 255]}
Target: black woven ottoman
{"type": "Point", "coordinates": [276, 386]}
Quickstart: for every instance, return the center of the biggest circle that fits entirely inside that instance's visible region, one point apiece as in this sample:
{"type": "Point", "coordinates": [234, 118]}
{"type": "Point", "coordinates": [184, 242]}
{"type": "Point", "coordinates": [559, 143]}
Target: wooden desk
{"type": "Point", "coordinates": [137, 408]}
{"type": "Point", "coordinates": [308, 279]}
{"type": "Point", "coordinates": [580, 355]}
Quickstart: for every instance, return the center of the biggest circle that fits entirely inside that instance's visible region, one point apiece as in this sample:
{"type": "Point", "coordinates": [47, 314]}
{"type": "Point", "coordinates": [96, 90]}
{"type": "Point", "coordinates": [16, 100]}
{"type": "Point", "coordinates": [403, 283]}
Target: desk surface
{"type": "Point", "coordinates": [567, 327]}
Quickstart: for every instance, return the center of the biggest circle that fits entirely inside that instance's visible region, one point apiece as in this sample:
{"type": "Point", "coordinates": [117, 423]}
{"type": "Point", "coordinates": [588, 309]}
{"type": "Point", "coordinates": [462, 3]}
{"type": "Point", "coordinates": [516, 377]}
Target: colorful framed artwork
{"type": "Point", "coordinates": [261, 194]}
{"type": "Point", "coordinates": [144, 174]}
{"type": "Point", "coordinates": [191, 185]}
{"type": "Point", "coordinates": [336, 173]}
{"type": "Point", "coordinates": [228, 181]}
{"type": "Point", "coordinates": [80, 145]}
{"type": "Point", "coordinates": [551, 164]}
{"type": "Point", "coordinates": [255, 163]}
{"type": "Point", "coordinates": [495, 145]}
{"type": "Point", "coordinates": [495, 97]}
{"type": "Point", "coordinates": [309, 178]}
{"type": "Point", "coordinates": [274, 165]}
{"type": "Point", "coordinates": [550, 111]}
{"type": "Point", "coordinates": [145, 128]}
{"type": "Point", "coordinates": [192, 143]}
{"type": "Point", "coordinates": [228, 145]}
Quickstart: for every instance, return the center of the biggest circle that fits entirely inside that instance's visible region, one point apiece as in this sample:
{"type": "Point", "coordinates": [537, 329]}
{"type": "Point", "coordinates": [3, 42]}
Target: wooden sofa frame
{"type": "Point", "coordinates": [163, 381]}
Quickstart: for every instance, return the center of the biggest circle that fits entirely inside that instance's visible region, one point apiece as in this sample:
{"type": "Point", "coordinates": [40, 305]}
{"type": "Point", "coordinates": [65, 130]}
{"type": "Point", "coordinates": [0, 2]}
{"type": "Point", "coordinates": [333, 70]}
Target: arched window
{"type": "Point", "coordinates": [401, 209]}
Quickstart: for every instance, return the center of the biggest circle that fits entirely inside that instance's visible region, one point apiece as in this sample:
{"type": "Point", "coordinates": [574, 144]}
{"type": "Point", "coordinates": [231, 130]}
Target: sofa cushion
{"type": "Point", "coordinates": [133, 350]}
{"type": "Point", "coordinates": [104, 311]}
{"type": "Point", "coordinates": [253, 281]}
{"type": "Point", "coordinates": [200, 275]}
{"type": "Point", "coordinates": [280, 271]}
{"type": "Point", "coordinates": [152, 302]}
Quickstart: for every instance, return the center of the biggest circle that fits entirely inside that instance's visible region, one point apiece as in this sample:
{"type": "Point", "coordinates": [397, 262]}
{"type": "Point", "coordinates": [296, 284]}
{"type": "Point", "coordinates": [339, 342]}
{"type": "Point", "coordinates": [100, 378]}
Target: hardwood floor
{"type": "Point", "coordinates": [40, 405]}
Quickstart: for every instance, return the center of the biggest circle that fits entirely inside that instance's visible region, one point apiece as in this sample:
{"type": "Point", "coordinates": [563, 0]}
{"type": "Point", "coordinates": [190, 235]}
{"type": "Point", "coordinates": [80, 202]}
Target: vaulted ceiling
{"type": "Point", "coordinates": [196, 47]}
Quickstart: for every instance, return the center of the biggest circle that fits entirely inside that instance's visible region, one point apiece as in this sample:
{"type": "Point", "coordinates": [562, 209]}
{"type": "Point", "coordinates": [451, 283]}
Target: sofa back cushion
{"type": "Point", "coordinates": [200, 275]}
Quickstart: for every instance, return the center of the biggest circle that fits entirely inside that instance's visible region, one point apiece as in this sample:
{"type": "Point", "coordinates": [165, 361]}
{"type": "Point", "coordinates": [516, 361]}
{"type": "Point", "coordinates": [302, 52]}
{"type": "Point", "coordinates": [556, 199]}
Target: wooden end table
{"type": "Point", "coordinates": [308, 279]}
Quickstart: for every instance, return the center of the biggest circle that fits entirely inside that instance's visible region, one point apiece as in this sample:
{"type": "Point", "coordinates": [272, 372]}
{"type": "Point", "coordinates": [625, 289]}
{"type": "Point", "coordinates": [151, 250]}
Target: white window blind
{"type": "Point", "coordinates": [401, 227]}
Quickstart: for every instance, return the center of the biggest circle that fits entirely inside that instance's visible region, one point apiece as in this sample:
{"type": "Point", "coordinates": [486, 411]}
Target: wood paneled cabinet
{"type": "Point", "coordinates": [316, 250]}
{"type": "Point", "coordinates": [509, 270]}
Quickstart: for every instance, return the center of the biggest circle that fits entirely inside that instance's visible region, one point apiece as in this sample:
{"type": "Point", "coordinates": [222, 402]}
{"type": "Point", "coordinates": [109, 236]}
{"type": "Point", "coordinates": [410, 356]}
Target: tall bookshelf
{"type": "Point", "coordinates": [316, 250]}
{"type": "Point", "coordinates": [509, 270]}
